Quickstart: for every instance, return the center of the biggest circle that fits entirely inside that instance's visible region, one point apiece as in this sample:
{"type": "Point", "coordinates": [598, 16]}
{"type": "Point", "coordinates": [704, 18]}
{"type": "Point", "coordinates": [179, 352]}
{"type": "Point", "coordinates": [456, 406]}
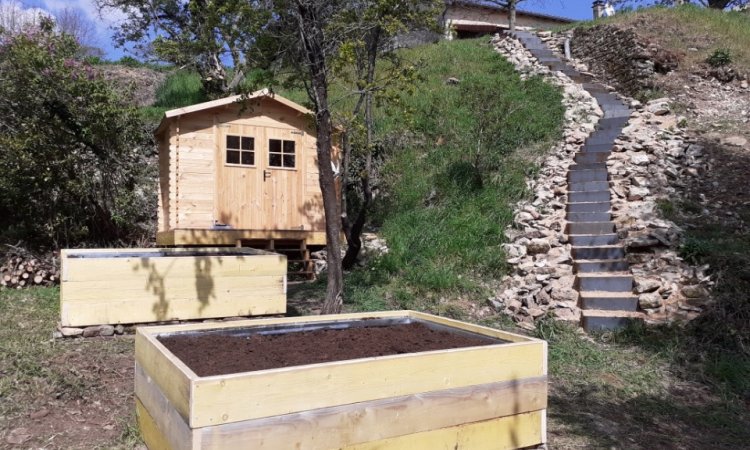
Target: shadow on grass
{"type": "Point", "coordinates": [645, 388]}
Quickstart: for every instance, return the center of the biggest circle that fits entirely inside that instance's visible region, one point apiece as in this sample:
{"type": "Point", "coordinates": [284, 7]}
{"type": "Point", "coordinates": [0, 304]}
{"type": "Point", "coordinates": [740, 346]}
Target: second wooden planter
{"type": "Point", "coordinates": [482, 397]}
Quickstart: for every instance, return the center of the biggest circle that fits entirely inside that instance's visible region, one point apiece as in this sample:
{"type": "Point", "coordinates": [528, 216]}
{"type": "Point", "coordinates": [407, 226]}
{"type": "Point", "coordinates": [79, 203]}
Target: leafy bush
{"type": "Point", "coordinates": [74, 157]}
{"type": "Point", "coordinates": [719, 58]}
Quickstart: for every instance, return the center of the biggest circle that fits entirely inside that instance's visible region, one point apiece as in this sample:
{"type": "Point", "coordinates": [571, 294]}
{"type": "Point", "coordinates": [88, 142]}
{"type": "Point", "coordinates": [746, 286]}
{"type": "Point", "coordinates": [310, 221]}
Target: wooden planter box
{"type": "Point", "coordinates": [111, 286]}
{"type": "Point", "coordinates": [487, 397]}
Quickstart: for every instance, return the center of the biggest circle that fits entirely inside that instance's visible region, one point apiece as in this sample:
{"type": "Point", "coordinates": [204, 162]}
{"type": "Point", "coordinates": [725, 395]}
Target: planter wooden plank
{"type": "Point", "coordinates": [109, 286]}
{"type": "Point", "coordinates": [151, 430]}
{"type": "Point", "coordinates": [173, 377]}
{"type": "Point", "coordinates": [214, 399]}
{"type": "Point", "coordinates": [505, 433]}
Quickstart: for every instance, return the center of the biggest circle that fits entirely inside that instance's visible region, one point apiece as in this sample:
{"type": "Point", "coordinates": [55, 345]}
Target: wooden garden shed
{"type": "Point", "coordinates": [239, 171]}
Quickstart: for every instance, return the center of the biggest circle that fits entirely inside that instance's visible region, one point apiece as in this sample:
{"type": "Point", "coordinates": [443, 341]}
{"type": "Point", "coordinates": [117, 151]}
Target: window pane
{"type": "Point", "coordinates": [233, 142]}
{"type": "Point", "coordinates": [248, 158]}
{"type": "Point", "coordinates": [274, 146]}
{"type": "Point", "coordinates": [289, 147]}
{"type": "Point", "coordinates": [248, 143]}
{"type": "Point", "coordinates": [274, 160]}
{"type": "Point", "coordinates": [233, 157]}
{"type": "Point", "coordinates": [288, 160]}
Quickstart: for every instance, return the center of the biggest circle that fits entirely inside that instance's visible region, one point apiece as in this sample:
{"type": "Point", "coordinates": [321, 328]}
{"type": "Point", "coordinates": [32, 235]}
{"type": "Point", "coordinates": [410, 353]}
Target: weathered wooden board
{"type": "Point", "coordinates": [504, 433]}
{"type": "Point", "coordinates": [347, 425]}
{"type": "Point", "coordinates": [108, 286]}
{"type": "Point", "coordinates": [452, 408]}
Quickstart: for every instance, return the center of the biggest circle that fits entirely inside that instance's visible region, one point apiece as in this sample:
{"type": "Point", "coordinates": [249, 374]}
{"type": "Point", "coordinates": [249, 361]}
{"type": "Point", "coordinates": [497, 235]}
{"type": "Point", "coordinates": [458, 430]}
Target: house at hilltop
{"type": "Point", "coordinates": [464, 19]}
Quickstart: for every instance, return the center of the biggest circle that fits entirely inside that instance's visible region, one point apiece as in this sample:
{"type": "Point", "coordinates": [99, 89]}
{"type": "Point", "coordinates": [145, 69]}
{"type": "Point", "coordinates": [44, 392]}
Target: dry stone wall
{"type": "Point", "coordinates": [619, 57]}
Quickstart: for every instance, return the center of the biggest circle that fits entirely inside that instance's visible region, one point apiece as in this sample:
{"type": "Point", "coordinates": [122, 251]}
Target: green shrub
{"type": "Point", "coordinates": [719, 58]}
{"type": "Point", "coordinates": [75, 157]}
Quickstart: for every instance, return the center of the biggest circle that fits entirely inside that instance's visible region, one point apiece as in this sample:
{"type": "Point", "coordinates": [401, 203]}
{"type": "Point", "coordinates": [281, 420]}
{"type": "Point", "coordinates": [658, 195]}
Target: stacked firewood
{"type": "Point", "coordinates": [19, 269]}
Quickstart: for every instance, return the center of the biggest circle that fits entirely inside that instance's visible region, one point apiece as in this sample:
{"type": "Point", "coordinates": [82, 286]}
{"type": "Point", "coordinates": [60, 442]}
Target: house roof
{"type": "Point", "coordinates": [228, 101]}
{"type": "Point", "coordinates": [495, 7]}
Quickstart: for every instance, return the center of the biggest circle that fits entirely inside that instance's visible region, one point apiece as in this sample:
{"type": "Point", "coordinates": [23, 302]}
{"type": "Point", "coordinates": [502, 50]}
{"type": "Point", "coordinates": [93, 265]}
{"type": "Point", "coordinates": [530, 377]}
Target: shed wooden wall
{"type": "Point", "coordinates": [192, 169]}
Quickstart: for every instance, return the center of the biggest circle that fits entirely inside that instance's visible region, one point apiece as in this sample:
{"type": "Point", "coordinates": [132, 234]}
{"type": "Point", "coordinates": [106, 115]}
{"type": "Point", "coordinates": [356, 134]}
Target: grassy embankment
{"type": "Point", "coordinates": [689, 31]}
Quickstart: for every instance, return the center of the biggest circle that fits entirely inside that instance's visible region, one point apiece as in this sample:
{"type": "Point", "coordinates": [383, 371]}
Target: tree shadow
{"type": "Point", "coordinates": [168, 273]}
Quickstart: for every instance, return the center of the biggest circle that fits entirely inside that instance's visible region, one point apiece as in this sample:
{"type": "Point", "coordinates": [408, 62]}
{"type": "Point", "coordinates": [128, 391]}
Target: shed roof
{"type": "Point", "coordinates": [227, 101]}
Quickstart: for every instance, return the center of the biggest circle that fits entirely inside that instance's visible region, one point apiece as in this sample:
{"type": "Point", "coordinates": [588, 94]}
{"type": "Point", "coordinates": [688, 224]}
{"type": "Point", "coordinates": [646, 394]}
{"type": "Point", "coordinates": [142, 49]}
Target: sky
{"type": "Point", "coordinates": [574, 9]}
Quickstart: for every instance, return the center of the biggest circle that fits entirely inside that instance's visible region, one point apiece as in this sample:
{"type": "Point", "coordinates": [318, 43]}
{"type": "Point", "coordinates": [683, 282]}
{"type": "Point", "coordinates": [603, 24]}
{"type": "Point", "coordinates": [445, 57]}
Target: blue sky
{"type": "Point", "coordinates": [575, 9]}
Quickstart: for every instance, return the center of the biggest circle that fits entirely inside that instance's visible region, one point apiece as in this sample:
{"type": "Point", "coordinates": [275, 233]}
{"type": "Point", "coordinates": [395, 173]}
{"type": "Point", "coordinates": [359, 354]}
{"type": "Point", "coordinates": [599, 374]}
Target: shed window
{"type": "Point", "coordinates": [241, 150]}
{"type": "Point", "coordinates": [281, 153]}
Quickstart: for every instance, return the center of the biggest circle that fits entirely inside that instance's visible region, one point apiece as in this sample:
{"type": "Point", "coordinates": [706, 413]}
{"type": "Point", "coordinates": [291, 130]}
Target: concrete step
{"type": "Point", "coordinates": [588, 185]}
{"type": "Point", "coordinates": [590, 157]}
{"type": "Point", "coordinates": [597, 148]}
{"type": "Point", "coordinates": [591, 166]}
{"type": "Point", "coordinates": [588, 207]}
{"type": "Point", "coordinates": [593, 87]}
{"type": "Point", "coordinates": [588, 175]}
{"type": "Point", "coordinates": [607, 301]}
{"type": "Point", "coordinates": [592, 141]}
{"type": "Point", "coordinates": [583, 240]}
{"type": "Point", "coordinates": [588, 196]}
{"type": "Point", "coordinates": [588, 216]}
{"type": "Point", "coordinates": [608, 99]}
{"type": "Point", "coordinates": [598, 320]}
{"type": "Point", "coordinates": [605, 132]}
{"type": "Point", "coordinates": [617, 113]}
{"type": "Point", "coordinates": [608, 124]}
{"type": "Point", "coordinates": [610, 282]}
{"type": "Point", "coordinates": [590, 228]}
{"type": "Point", "coordinates": [598, 252]}
{"type": "Point", "coordinates": [600, 265]}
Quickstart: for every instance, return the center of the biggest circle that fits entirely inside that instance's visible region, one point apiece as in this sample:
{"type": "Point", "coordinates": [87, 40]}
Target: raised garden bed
{"type": "Point", "coordinates": [356, 381]}
{"type": "Point", "coordinates": [112, 286]}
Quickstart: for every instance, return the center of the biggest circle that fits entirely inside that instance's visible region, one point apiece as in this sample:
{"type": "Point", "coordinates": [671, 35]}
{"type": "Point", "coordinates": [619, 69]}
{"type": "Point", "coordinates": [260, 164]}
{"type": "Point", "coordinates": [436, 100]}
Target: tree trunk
{"type": "Point", "coordinates": [311, 34]}
{"type": "Point", "coordinates": [354, 235]}
{"type": "Point", "coordinates": [512, 14]}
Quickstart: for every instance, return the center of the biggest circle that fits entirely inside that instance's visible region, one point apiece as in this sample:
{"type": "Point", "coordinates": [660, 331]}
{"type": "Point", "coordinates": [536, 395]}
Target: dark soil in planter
{"type": "Point", "coordinates": [218, 354]}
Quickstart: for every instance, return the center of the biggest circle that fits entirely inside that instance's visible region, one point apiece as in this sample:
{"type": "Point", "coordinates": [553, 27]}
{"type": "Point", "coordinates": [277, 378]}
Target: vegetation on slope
{"type": "Point", "coordinates": [452, 173]}
{"type": "Point", "coordinates": [681, 29]}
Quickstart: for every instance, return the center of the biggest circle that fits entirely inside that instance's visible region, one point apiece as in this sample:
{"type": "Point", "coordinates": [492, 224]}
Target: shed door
{"type": "Point", "coordinates": [283, 179]}
{"type": "Point", "coordinates": [239, 177]}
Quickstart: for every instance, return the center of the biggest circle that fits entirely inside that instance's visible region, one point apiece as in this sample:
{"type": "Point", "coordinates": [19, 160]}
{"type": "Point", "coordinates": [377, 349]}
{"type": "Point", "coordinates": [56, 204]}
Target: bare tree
{"type": "Point", "coordinates": [15, 17]}
{"type": "Point", "coordinates": [73, 21]}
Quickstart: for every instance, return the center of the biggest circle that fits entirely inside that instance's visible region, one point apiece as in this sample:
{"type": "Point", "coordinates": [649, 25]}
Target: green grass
{"type": "Point", "coordinates": [622, 390]}
{"type": "Point", "coordinates": [38, 372]}
{"type": "Point", "coordinates": [445, 209]}
{"type": "Point", "coordinates": [180, 88]}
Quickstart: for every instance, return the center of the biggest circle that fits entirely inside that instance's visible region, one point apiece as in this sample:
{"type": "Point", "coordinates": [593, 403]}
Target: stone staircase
{"type": "Point", "coordinates": [603, 278]}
